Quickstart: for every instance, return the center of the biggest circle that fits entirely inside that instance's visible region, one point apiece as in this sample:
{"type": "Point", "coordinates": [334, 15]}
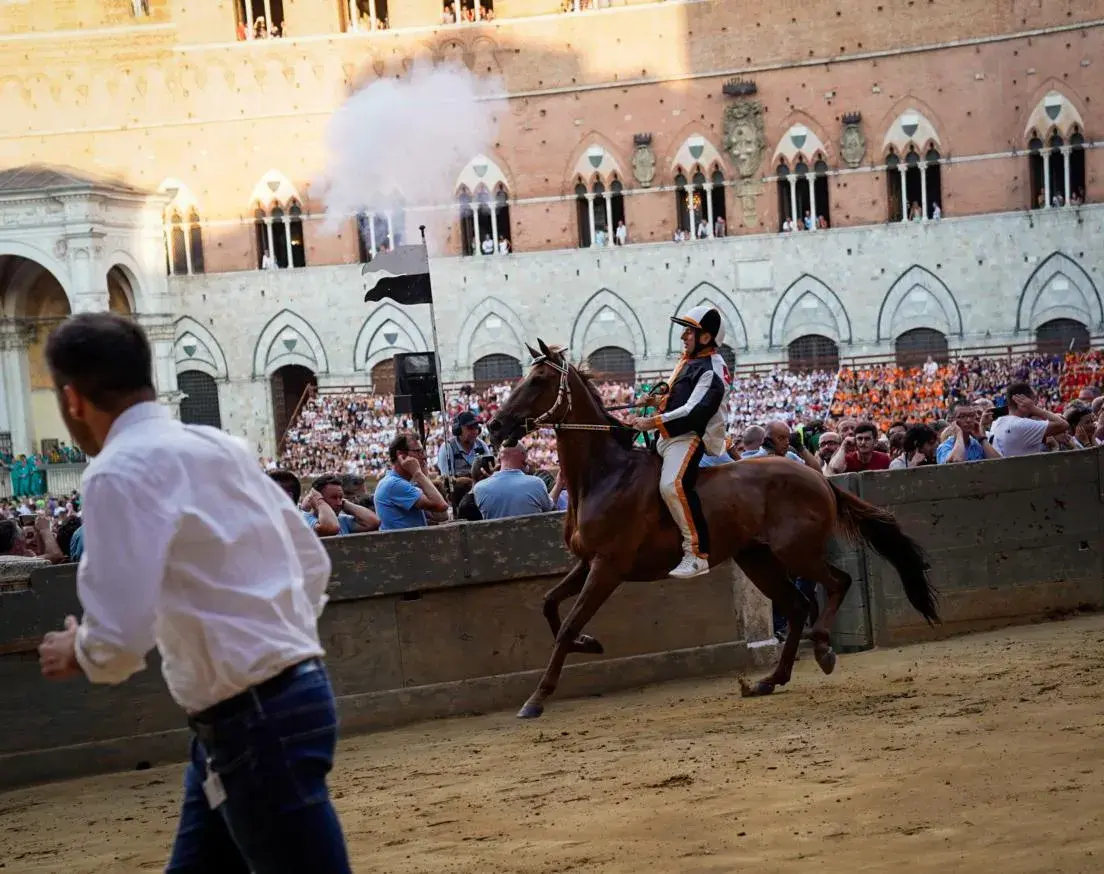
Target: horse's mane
{"type": "Point", "coordinates": [625, 437]}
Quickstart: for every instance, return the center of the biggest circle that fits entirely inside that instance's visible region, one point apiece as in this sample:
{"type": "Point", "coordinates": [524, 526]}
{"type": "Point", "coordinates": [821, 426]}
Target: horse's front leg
{"type": "Point", "coordinates": [602, 580]}
{"type": "Point", "coordinates": [570, 585]}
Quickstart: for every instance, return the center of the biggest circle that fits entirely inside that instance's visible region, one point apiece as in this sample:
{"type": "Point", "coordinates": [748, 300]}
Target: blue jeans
{"type": "Point", "coordinates": [271, 747]}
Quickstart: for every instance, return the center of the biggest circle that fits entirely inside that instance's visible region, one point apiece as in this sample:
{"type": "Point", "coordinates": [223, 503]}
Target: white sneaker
{"type": "Point", "coordinates": [690, 566]}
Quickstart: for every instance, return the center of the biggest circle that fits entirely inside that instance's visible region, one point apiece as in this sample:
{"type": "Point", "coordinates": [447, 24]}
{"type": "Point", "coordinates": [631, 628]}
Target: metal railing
{"type": "Point", "coordinates": [61, 479]}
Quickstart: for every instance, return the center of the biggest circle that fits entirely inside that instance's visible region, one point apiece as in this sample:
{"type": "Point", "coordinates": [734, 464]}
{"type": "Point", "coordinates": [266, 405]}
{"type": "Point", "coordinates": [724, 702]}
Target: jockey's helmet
{"type": "Point", "coordinates": [703, 318]}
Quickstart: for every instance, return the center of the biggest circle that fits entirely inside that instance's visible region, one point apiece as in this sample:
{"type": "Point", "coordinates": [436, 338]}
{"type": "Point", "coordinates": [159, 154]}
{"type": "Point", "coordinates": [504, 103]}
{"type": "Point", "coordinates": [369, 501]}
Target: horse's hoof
{"type": "Point", "coordinates": [827, 660]}
{"type": "Point", "coordinates": [755, 690]}
{"type": "Point", "coordinates": [531, 711]}
{"type": "Point", "coordinates": [586, 643]}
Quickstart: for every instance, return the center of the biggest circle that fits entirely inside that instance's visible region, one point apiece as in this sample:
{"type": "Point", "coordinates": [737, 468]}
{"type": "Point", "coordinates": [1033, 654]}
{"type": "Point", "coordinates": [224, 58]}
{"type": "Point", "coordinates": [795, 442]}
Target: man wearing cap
{"type": "Point", "coordinates": [457, 455]}
{"type": "Point", "coordinates": [691, 423]}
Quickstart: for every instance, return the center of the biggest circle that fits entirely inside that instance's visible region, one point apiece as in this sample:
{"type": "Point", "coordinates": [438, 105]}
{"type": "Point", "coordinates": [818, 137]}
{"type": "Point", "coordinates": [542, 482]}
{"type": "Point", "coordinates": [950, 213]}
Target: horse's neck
{"type": "Point", "coordinates": [586, 457]}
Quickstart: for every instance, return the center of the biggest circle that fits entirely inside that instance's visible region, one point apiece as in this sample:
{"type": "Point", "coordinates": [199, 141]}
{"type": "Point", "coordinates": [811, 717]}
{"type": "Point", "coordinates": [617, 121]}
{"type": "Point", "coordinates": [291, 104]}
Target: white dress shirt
{"type": "Point", "coordinates": [189, 546]}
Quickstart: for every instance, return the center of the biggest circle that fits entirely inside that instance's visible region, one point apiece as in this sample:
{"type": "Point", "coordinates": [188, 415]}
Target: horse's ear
{"type": "Point", "coordinates": [533, 353]}
{"type": "Point", "coordinates": [544, 349]}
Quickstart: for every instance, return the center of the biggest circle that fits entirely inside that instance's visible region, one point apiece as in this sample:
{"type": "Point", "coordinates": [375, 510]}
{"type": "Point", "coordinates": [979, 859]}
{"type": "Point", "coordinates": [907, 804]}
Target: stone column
{"type": "Point", "coordinates": [1046, 177]}
{"type": "Point", "coordinates": [169, 248]}
{"type": "Point", "coordinates": [271, 241]}
{"type": "Point", "coordinates": [609, 217]}
{"type": "Point", "coordinates": [904, 193]}
{"type": "Point", "coordinates": [1066, 169]}
{"type": "Point", "coordinates": [89, 274]}
{"type": "Point", "coordinates": [811, 179]}
{"type": "Point", "coordinates": [162, 333]}
{"type": "Point", "coordinates": [708, 188]}
{"type": "Point", "coordinates": [268, 13]}
{"type": "Point", "coordinates": [793, 200]}
{"type": "Point", "coordinates": [590, 217]}
{"type": "Point", "coordinates": [923, 190]}
{"type": "Point", "coordinates": [15, 387]}
{"type": "Point", "coordinates": [478, 248]}
{"type": "Point", "coordinates": [493, 207]}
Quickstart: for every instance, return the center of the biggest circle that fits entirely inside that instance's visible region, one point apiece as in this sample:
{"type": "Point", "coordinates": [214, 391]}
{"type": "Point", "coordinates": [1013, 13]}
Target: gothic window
{"type": "Point", "coordinates": [467, 11]}
{"type": "Point", "coordinates": [485, 221]}
{"type": "Point", "coordinates": [599, 212]}
{"type": "Point", "coordinates": [699, 202]}
{"type": "Point", "coordinates": [1057, 170]}
{"type": "Point", "coordinates": [279, 234]}
{"type": "Point", "coordinates": [613, 363]}
{"type": "Point", "coordinates": [813, 352]}
{"type": "Point", "coordinates": [183, 231]}
{"type": "Point", "coordinates": [496, 368]}
{"type": "Point", "coordinates": [1062, 335]}
{"type": "Point", "coordinates": [717, 202]}
{"type": "Point", "coordinates": [365, 15]}
{"type": "Point", "coordinates": [912, 348]}
{"type": "Point", "coordinates": [200, 404]}
{"type": "Point", "coordinates": [380, 231]}
{"type": "Point", "coordinates": [803, 194]}
{"type": "Point", "coordinates": [260, 19]}
{"type": "Point", "coordinates": [914, 185]}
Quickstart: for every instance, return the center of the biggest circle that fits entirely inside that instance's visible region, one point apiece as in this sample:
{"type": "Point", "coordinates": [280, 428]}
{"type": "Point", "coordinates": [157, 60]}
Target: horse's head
{"type": "Point", "coordinates": [536, 400]}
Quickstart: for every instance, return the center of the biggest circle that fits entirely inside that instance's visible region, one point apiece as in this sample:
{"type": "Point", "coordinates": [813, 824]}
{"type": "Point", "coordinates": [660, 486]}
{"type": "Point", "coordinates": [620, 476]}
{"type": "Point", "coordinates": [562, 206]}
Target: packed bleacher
{"type": "Point", "coordinates": [347, 431]}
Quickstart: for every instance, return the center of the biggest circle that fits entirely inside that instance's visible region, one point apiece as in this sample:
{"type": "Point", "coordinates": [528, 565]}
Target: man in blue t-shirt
{"type": "Point", "coordinates": [328, 513]}
{"type": "Point", "coordinates": [510, 491]}
{"type": "Point", "coordinates": [405, 493]}
{"type": "Point", "coordinates": [967, 442]}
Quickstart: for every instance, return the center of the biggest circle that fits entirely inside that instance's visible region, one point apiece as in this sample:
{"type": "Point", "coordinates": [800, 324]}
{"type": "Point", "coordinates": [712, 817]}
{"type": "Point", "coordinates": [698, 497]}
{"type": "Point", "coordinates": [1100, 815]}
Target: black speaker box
{"type": "Point", "coordinates": [416, 389]}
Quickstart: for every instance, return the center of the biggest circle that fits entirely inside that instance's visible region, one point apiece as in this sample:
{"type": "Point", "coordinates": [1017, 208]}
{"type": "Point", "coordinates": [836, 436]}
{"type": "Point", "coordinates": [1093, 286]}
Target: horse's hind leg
{"type": "Point", "coordinates": [570, 585]}
{"type": "Point", "coordinates": [769, 575]}
{"type": "Point", "coordinates": [836, 584]}
{"type": "Point", "coordinates": [601, 581]}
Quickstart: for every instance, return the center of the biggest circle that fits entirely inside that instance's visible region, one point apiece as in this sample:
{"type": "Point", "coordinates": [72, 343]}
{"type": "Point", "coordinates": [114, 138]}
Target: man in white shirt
{"type": "Point", "coordinates": [191, 548]}
{"type": "Point", "coordinates": [1027, 425]}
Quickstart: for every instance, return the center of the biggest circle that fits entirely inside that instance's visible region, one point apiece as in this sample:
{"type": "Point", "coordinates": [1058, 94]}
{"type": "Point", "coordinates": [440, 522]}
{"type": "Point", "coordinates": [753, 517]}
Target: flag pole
{"type": "Point", "coordinates": [436, 352]}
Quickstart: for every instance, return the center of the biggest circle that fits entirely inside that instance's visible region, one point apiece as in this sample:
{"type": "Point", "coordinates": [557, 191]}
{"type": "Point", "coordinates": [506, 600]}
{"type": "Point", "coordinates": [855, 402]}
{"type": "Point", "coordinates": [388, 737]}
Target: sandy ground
{"type": "Point", "coordinates": [977, 754]}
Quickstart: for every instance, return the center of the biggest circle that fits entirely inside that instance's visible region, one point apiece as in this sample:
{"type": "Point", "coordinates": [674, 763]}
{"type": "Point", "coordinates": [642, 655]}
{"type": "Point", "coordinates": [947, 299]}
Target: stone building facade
{"type": "Point", "coordinates": [179, 147]}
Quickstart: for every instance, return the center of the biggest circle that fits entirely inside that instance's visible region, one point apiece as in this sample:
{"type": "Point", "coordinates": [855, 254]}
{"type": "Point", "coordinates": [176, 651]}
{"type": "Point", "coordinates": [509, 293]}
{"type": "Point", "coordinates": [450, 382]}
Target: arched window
{"type": "Point", "coordinates": [1062, 335]}
{"type": "Point", "coordinates": [1057, 170]}
{"type": "Point", "coordinates": [485, 222]}
{"type": "Point", "coordinates": [496, 368]}
{"type": "Point", "coordinates": [599, 211]}
{"type": "Point", "coordinates": [813, 352]}
{"type": "Point", "coordinates": [383, 377]}
{"type": "Point", "coordinates": [467, 11]}
{"type": "Point", "coordinates": [613, 362]}
{"type": "Point", "coordinates": [279, 234]}
{"type": "Point", "coordinates": [380, 231]}
{"type": "Point", "coordinates": [366, 15]}
{"type": "Point", "coordinates": [260, 19]}
{"type": "Point", "coordinates": [682, 207]}
{"type": "Point", "coordinates": [803, 194]}
{"type": "Point", "coordinates": [200, 404]}
{"type": "Point", "coordinates": [289, 386]}
{"type": "Point", "coordinates": [195, 241]}
{"type": "Point", "coordinates": [914, 186]}
{"type": "Point", "coordinates": [183, 231]}
{"type": "Point", "coordinates": [178, 247]}
{"type": "Point", "coordinates": [717, 202]}
{"type": "Point", "coordinates": [913, 347]}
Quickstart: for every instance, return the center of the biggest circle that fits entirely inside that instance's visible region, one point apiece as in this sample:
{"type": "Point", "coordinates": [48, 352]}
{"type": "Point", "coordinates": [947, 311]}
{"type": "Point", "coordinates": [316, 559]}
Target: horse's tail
{"type": "Point", "coordinates": [859, 520]}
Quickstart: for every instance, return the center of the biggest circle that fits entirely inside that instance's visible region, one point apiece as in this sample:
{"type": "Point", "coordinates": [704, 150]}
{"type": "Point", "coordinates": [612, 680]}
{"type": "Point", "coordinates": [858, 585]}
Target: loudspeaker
{"type": "Point", "coordinates": [416, 390]}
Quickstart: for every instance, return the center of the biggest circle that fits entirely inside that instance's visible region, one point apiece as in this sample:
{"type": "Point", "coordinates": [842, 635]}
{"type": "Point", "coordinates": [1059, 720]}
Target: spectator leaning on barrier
{"type": "Point", "coordinates": [968, 442]}
{"type": "Point", "coordinates": [1027, 426]}
{"type": "Point", "coordinates": [510, 491]}
{"type": "Point", "coordinates": [857, 453]}
{"type": "Point", "coordinates": [918, 449]}
{"type": "Point", "coordinates": [328, 512]}
{"type": "Point", "coordinates": [405, 493]}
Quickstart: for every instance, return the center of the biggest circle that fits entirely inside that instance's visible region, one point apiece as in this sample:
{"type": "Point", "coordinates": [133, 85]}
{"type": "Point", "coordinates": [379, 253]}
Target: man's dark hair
{"type": "Point", "coordinates": [1018, 388]}
{"type": "Point", "coordinates": [352, 483]}
{"type": "Point", "coordinates": [917, 436]}
{"type": "Point", "coordinates": [1075, 416]}
{"type": "Point", "coordinates": [287, 480]}
{"type": "Point", "coordinates": [105, 357]}
{"type": "Point", "coordinates": [326, 480]}
{"type": "Point", "coordinates": [899, 424]}
{"type": "Point", "coordinates": [866, 428]}
{"type": "Point", "coordinates": [9, 531]}
{"type": "Point", "coordinates": [65, 534]}
{"type": "Point", "coordinates": [399, 443]}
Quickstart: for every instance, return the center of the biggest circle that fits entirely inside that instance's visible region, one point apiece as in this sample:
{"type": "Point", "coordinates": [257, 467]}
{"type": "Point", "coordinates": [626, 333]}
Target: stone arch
{"type": "Point", "coordinates": [708, 293]}
{"type": "Point", "coordinates": [918, 299]}
{"type": "Point", "coordinates": [593, 329]}
{"type": "Point", "coordinates": [480, 335]}
{"type": "Point", "coordinates": [594, 158]}
{"type": "Point", "coordinates": [288, 338]}
{"type": "Point", "coordinates": [131, 287]}
{"type": "Point", "coordinates": [39, 260]}
{"type": "Point", "coordinates": [482, 172]}
{"type": "Point", "coordinates": [180, 196]}
{"type": "Point", "coordinates": [196, 348]}
{"type": "Point", "coordinates": [1059, 288]}
{"type": "Point", "coordinates": [274, 189]}
{"type": "Point", "coordinates": [387, 331]}
{"type": "Point", "coordinates": [697, 150]}
{"type": "Point", "coordinates": [911, 127]}
{"type": "Point", "coordinates": [799, 143]}
{"type": "Point", "coordinates": [809, 306]}
{"type": "Point", "coordinates": [1054, 112]}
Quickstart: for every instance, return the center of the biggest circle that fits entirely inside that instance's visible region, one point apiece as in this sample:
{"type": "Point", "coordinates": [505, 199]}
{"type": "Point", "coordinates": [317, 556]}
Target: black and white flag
{"type": "Point", "coordinates": [401, 274]}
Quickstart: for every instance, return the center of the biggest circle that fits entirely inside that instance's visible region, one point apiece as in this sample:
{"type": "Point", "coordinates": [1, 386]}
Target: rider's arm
{"type": "Point", "coordinates": [703, 402]}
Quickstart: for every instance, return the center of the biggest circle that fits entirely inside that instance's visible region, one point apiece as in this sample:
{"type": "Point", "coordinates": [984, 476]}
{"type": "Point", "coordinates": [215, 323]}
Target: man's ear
{"type": "Point", "coordinates": [72, 403]}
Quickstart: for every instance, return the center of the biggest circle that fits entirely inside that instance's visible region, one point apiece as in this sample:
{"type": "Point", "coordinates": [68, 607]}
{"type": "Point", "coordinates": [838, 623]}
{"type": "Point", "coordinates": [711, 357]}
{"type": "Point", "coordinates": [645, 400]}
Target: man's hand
{"type": "Point", "coordinates": [58, 652]}
{"type": "Point", "coordinates": [310, 501]}
{"type": "Point", "coordinates": [642, 423]}
{"type": "Point", "coordinates": [1027, 405]}
{"type": "Point", "coordinates": [411, 466]}
{"type": "Point", "coordinates": [42, 525]}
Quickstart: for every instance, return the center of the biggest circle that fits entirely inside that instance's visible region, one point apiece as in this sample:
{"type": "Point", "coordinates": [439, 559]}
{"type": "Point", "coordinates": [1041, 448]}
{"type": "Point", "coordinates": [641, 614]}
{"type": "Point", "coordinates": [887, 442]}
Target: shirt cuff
{"type": "Point", "coordinates": [103, 663]}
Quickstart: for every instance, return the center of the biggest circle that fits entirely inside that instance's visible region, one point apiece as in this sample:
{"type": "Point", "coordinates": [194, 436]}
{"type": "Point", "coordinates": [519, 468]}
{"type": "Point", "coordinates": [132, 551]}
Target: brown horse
{"type": "Point", "coordinates": [772, 516]}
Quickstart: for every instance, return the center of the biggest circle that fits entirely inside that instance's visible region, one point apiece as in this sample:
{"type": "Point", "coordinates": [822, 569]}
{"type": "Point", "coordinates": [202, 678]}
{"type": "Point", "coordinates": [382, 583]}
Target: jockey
{"type": "Point", "coordinates": [691, 423]}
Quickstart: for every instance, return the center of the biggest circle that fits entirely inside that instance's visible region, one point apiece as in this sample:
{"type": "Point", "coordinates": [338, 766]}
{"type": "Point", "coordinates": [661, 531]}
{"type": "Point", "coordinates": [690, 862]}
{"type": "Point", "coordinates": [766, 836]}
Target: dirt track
{"type": "Point", "coordinates": [978, 754]}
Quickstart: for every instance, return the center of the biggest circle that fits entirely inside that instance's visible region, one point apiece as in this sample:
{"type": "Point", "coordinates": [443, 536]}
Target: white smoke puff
{"type": "Point", "coordinates": [406, 140]}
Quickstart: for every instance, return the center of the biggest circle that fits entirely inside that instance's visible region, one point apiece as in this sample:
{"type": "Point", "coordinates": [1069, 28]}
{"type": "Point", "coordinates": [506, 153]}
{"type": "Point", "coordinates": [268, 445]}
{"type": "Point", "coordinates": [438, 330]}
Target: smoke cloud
{"type": "Point", "coordinates": [406, 140]}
